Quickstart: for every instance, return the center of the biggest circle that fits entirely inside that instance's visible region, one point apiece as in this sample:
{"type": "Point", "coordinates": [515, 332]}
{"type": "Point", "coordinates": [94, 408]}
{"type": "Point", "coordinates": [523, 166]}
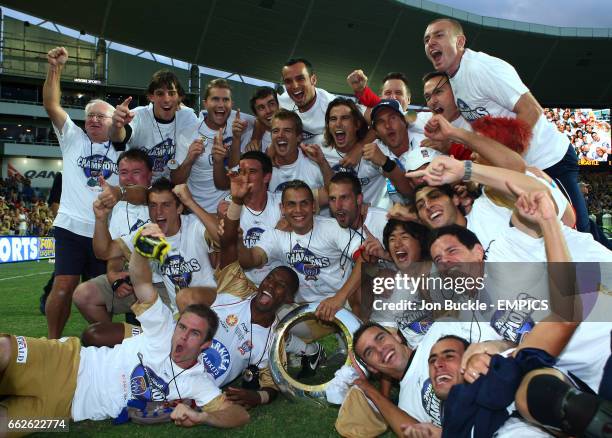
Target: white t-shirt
{"type": "Point", "coordinates": [160, 139]}
{"type": "Point", "coordinates": [313, 120]}
{"type": "Point", "coordinates": [390, 194]}
{"type": "Point", "coordinates": [84, 161]}
{"type": "Point", "coordinates": [486, 219]}
{"type": "Point", "coordinates": [371, 177]}
{"type": "Point", "coordinates": [254, 225]}
{"type": "Point", "coordinates": [187, 263]}
{"type": "Point", "coordinates": [485, 85]}
{"type": "Point", "coordinates": [303, 168]}
{"type": "Point", "coordinates": [266, 141]}
{"type": "Point", "coordinates": [200, 181]}
{"type": "Point", "coordinates": [416, 396]}
{"type": "Point", "coordinates": [322, 258]}
{"type": "Point", "coordinates": [238, 342]}
{"type": "Point", "coordinates": [126, 218]}
{"type": "Point", "coordinates": [375, 222]}
{"type": "Point", "coordinates": [109, 377]}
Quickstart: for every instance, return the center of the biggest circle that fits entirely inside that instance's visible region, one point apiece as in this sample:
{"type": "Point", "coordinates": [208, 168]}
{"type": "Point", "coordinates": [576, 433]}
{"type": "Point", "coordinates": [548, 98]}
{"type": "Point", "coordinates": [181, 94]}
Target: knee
{"type": "Point", "coordinates": [93, 336]}
{"type": "Point", "coordinates": [102, 334]}
{"type": "Point", "coordinates": [84, 293]}
{"type": "Point", "coordinates": [63, 288]}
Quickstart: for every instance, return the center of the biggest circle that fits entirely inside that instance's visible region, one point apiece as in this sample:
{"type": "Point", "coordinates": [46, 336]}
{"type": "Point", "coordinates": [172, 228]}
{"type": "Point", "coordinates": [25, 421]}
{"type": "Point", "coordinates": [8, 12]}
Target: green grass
{"type": "Point", "coordinates": [20, 288]}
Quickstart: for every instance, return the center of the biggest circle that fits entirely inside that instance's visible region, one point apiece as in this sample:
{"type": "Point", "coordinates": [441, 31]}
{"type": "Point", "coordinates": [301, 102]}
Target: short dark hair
{"type": "Point", "coordinates": [464, 341]}
{"type": "Point", "coordinates": [216, 83]}
{"type": "Point", "coordinates": [296, 184]}
{"type": "Point", "coordinates": [361, 330]}
{"type": "Point", "coordinates": [457, 27]}
{"type": "Point", "coordinates": [206, 313]}
{"type": "Point", "coordinates": [165, 78]}
{"type": "Point", "coordinates": [264, 160]}
{"type": "Point", "coordinates": [434, 74]}
{"type": "Point", "coordinates": [293, 61]}
{"type": "Point", "coordinates": [295, 280]}
{"type": "Point", "coordinates": [285, 114]}
{"type": "Point", "coordinates": [163, 184]}
{"type": "Point", "coordinates": [466, 237]}
{"type": "Point", "coordinates": [362, 124]}
{"type": "Point", "coordinates": [260, 93]}
{"type": "Point", "coordinates": [399, 76]}
{"type": "Point", "coordinates": [447, 189]}
{"type": "Point", "coordinates": [347, 178]}
{"type": "Point", "coordinates": [418, 232]}
{"type": "Point", "coordinates": [135, 155]}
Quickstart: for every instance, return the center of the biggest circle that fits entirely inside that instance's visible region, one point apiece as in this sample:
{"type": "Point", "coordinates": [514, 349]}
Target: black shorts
{"type": "Point", "coordinates": [74, 255]}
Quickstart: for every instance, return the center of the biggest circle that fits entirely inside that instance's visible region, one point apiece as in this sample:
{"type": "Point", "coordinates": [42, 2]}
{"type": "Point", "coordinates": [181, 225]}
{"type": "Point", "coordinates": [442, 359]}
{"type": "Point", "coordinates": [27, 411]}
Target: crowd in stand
{"type": "Point", "coordinates": [23, 209]}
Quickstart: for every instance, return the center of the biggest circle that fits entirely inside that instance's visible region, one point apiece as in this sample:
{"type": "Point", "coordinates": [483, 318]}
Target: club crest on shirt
{"type": "Point", "coordinates": [306, 262]}
{"type": "Point", "coordinates": [431, 403]}
{"type": "Point", "coordinates": [160, 154]}
{"type": "Point", "coordinates": [513, 324]}
{"type": "Point", "coordinates": [252, 236]}
{"type": "Point", "coordinates": [307, 135]}
{"type": "Point", "coordinates": [97, 165]}
{"type": "Point", "coordinates": [180, 271]}
{"type": "Point", "coordinates": [470, 114]}
{"type": "Point", "coordinates": [245, 348]}
{"type": "Point", "coordinates": [279, 188]}
{"type": "Point", "coordinates": [216, 359]}
{"type": "Point", "coordinates": [146, 385]}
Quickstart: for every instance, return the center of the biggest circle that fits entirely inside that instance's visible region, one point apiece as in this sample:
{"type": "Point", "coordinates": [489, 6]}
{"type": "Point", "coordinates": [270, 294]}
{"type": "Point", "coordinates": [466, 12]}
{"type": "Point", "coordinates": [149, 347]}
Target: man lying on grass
{"type": "Point", "coordinates": [60, 379]}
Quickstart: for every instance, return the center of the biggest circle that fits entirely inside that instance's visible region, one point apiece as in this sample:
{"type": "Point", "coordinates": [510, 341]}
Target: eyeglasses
{"type": "Point", "coordinates": [94, 116]}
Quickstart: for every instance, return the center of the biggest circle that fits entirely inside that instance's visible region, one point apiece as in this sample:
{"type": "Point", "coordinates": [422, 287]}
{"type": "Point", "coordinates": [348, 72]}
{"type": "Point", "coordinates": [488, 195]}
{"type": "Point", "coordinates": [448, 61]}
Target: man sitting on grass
{"type": "Point", "coordinates": [60, 379]}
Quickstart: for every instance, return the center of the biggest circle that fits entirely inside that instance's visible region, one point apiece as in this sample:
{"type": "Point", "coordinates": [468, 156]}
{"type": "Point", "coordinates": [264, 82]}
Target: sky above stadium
{"type": "Point", "coordinates": [564, 13]}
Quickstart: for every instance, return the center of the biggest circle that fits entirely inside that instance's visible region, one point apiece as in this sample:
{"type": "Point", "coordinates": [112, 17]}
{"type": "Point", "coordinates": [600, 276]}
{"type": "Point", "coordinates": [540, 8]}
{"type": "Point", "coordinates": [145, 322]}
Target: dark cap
{"type": "Point", "coordinates": [386, 103]}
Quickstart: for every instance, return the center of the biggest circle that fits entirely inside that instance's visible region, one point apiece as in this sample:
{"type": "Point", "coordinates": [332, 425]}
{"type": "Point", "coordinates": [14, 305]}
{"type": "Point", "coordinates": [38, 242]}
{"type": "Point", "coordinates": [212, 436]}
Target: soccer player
{"type": "Point", "coordinates": [54, 379]}
{"type": "Point", "coordinates": [264, 103]}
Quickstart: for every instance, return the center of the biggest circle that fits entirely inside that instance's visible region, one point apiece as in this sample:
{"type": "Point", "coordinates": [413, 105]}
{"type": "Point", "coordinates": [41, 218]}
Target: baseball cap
{"type": "Point", "coordinates": [419, 156]}
{"type": "Point", "coordinates": [386, 103]}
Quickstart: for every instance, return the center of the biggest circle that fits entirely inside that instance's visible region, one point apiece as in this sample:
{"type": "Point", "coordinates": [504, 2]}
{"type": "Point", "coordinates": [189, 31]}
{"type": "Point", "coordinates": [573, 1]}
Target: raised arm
{"type": "Point", "coordinates": [140, 271]}
{"type": "Point", "coordinates": [104, 246]}
{"type": "Point", "coordinates": [219, 154]}
{"type": "Point", "coordinates": [439, 129]}
{"type": "Point", "coordinates": [121, 117]}
{"type": "Point", "coordinates": [209, 220]}
{"type": "Point", "coordinates": [56, 59]}
{"type": "Point", "coordinates": [181, 174]}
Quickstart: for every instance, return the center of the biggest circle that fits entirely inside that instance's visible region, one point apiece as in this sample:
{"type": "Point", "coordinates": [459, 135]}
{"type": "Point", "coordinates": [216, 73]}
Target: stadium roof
{"type": "Point", "coordinates": [569, 66]}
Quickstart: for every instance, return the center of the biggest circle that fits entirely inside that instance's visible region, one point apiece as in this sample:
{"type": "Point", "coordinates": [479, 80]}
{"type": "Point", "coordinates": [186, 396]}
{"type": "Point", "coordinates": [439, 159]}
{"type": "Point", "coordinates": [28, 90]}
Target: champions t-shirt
{"type": "Point", "coordinates": [160, 139]}
{"type": "Point", "coordinates": [303, 168]}
{"type": "Point", "coordinates": [254, 224]}
{"type": "Point", "coordinates": [322, 258]}
{"type": "Point", "coordinates": [187, 263]}
{"type": "Point", "coordinates": [238, 342]}
{"type": "Point", "coordinates": [126, 218]}
{"type": "Point", "coordinates": [485, 85]}
{"type": "Point", "coordinates": [84, 162]}
{"type": "Point", "coordinates": [200, 181]}
{"type": "Point", "coordinates": [139, 368]}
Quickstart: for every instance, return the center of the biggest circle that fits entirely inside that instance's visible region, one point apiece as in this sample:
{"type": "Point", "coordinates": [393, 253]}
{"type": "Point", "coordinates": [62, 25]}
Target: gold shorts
{"type": "Point", "coordinates": [41, 377]}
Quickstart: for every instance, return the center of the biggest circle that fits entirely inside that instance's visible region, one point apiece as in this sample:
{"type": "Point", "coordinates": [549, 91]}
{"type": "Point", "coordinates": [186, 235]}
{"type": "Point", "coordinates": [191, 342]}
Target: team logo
{"type": "Point", "coordinates": [160, 154]}
{"type": "Point", "coordinates": [252, 236]}
{"type": "Point", "coordinates": [471, 114]}
{"type": "Point", "coordinates": [431, 403]}
{"type": "Point", "coordinates": [231, 320]}
{"type": "Point", "coordinates": [139, 223]}
{"type": "Point", "coordinates": [306, 262]}
{"type": "Point", "coordinates": [180, 271]}
{"type": "Point", "coordinates": [95, 166]}
{"type": "Point", "coordinates": [424, 153]}
{"type": "Point", "coordinates": [146, 385]}
{"type": "Point", "coordinates": [513, 324]}
{"type": "Point", "coordinates": [281, 186]}
{"type": "Point", "coordinates": [245, 348]}
{"type": "Point", "coordinates": [307, 135]}
{"type": "Point", "coordinates": [216, 359]}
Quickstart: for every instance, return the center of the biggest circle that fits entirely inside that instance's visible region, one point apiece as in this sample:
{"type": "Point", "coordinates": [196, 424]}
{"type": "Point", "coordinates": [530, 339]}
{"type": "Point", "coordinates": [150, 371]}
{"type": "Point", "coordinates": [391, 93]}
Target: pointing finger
{"type": "Point", "coordinates": [127, 101]}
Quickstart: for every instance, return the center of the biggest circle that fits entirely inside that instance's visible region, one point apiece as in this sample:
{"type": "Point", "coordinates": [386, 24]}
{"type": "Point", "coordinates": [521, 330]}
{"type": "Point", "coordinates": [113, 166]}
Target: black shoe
{"type": "Point", "coordinates": [311, 362]}
{"type": "Point", "coordinates": [42, 303]}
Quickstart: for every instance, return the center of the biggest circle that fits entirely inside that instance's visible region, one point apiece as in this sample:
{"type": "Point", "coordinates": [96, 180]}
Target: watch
{"type": "Point", "coordinates": [467, 170]}
{"type": "Point", "coordinates": [389, 165]}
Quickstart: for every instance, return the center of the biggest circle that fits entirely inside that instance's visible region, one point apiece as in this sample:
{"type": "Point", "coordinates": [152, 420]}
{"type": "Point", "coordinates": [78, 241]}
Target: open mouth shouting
{"type": "Point", "coordinates": [265, 298]}
{"type": "Point", "coordinates": [443, 379]}
{"type": "Point", "coordinates": [340, 136]}
{"type": "Point", "coordinates": [436, 56]}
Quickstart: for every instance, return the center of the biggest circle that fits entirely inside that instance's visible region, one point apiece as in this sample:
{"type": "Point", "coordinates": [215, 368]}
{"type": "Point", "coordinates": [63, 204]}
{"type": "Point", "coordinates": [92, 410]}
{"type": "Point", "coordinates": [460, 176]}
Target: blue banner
{"type": "Point", "coordinates": [26, 248]}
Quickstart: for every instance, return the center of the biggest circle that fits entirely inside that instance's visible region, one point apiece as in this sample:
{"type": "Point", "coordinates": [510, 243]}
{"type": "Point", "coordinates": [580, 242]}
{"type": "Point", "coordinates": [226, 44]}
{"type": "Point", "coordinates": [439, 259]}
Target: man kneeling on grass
{"type": "Point", "coordinates": [60, 379]}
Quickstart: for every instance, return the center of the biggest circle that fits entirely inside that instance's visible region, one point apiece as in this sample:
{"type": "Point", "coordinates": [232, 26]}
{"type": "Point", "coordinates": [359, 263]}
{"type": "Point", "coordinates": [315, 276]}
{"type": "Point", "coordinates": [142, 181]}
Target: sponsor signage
{"type": "Point", "coordinates": [26, 248]}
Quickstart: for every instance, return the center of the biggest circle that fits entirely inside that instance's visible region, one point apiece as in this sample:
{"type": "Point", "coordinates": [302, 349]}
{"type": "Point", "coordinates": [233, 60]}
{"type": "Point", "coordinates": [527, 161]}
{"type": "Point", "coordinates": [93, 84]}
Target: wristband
{"type": "Point", "coordinates": [389, 165]}
{"type": "Point", "coordinates": [233, 211]}
{"type": "Point", "coordinates": [264, 397]}
{"type": "Point", "coordinates": [467, 170]}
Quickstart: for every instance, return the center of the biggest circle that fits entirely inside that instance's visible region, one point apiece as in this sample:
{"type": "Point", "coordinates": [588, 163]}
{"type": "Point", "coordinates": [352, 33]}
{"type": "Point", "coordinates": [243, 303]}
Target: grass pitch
{"type": "Point", "coordinates": [20, 288]}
